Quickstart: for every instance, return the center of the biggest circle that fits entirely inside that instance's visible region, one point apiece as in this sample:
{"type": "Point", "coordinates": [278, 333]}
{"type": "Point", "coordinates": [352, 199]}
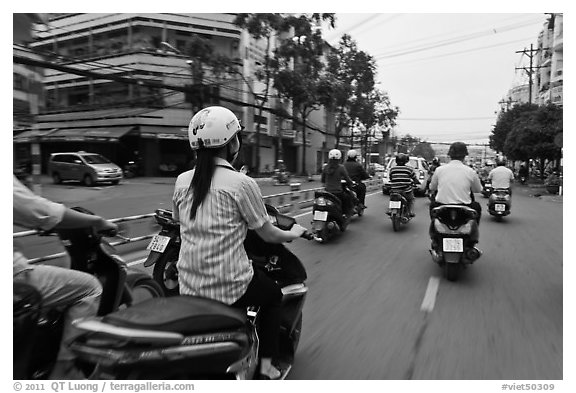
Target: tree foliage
{"type": "Point", "coordinates": [505, 123]}
{"type": "Point", "coordinates": [353, 72]}
{"type": "Point", "coordinates": [533, 135]}
{"type": "Point", "coordinates": [299, 69]}
{"type": "Point", "coordinates": [424, 149]}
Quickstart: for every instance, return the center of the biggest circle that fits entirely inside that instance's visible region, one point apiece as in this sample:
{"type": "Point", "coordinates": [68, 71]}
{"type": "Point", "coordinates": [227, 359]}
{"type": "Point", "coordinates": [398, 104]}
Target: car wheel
{"type": "Point", "coordinates": [88, 181]}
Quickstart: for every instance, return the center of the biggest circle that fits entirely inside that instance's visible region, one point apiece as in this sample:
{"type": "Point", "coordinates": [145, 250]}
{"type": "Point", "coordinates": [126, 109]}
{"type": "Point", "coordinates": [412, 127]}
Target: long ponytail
{"type": "Point", "coordinates": [202, 179]}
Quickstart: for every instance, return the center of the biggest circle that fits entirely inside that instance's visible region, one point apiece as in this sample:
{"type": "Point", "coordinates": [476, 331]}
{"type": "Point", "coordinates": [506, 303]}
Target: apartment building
{"type": "Point", "coordinates": [123, 85]}
{"type": "Point", "coordinates": [28, 93]}
{"type": "Point", "coordinates": [549, 79]}
{"type": "Point", "coordinates": [547, 82]}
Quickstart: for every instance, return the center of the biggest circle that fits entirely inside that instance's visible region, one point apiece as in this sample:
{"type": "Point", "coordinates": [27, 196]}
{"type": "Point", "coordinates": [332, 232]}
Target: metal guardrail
{"type": "Point", "coordinates": [287, 202]}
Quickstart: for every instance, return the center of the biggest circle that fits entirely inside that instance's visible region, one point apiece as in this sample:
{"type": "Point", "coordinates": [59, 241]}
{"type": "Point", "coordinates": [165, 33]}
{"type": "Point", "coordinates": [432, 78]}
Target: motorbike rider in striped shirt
{"type": "Point", "coordinates": [402, 179]}
{"type": "Point", "coordinates": [216, 205]}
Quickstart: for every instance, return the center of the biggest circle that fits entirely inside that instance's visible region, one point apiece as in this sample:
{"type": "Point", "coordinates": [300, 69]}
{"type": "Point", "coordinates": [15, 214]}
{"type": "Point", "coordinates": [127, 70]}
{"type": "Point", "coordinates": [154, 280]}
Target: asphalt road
{"type": "Point", "coordinates": [364, 317]}
{"type": "Point", "coordinates": [502, 320]}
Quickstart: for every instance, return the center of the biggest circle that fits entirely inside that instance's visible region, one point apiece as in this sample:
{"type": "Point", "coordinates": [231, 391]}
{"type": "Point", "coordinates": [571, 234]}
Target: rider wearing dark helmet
{"type": "Point", "coordinates": [357, 173]}
{"type": "Point", "coordinates": [455, 181]}
{"type": "Point", "coordinates": [402, 178]}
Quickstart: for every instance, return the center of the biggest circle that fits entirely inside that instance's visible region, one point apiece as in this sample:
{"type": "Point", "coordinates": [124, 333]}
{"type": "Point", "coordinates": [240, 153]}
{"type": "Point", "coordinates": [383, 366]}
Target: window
{"type": "Point", "coordinates": [95, 159]}
{"type": "Point", "coordinates": [260, 119]}
{"type": "Point", "coordinates": [66, 158]}
{"type": "Point", "coordinates": [20, 82]}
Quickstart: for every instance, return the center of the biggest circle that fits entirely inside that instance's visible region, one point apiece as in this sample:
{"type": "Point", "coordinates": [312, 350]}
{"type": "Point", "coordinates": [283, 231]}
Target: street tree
{"type": "Point", "coordinates": [534, 135]}
{"type": "Point", "coordinates": [353, 72]}
{"type": "Point", "coordinates": [504, 125]}
{"type": "Point", "coordinates": [377, 115]}
{"type": "Point", "coordinates": [300, 74]}
{"type": "Point", "coordinates": [267, 27]}
{"type": "Point", "coordinates": [424, 149]}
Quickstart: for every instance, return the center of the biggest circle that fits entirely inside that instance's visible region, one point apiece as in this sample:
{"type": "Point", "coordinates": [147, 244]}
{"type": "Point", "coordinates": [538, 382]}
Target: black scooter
{"type": "Point", "coordinates": [38, 332]}
{"type": "Point", "coordinates": [499, 203]}
{"type": "Point", "coordinates": [486, 188]}
{"type": "Point", "coordinates": [398, 210]}
{"type": "Point", "coordinates": [328, 217]}
{"type": "Point", "coordinates": [189, 337]}
{"type": "Point", "coordinates": [454, 234]}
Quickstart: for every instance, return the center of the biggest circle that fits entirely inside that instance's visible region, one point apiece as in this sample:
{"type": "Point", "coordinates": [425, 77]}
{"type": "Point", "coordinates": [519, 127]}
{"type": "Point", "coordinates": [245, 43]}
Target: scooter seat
{"type": "Point", "coordinates": [179, 314]}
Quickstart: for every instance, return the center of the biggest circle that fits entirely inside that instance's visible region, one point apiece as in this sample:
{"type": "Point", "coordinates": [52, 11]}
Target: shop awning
{"type": "Point", "coordinates": [160, 132]}
{"type": "Point", "coordinates": [103, 134]}
{"type": "Point", "coordinates": [32, 135]}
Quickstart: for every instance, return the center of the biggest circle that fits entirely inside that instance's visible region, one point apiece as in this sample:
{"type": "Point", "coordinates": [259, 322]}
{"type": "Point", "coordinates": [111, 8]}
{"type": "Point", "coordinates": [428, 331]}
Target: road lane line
{"type": "Point", "coordinates": [430, 296]}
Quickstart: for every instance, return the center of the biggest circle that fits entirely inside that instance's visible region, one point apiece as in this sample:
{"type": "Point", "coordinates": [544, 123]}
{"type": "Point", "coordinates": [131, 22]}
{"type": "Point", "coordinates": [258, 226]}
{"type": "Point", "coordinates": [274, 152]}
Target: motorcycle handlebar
{"type": "Point", "coordinates": [307, 235]}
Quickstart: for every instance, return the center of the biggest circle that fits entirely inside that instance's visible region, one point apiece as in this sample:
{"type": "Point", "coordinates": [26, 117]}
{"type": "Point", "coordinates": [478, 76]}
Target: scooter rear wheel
{"type": "Point", "coordinates": [452, 271]}
{"type": "Point", "coordinates": [396, 223]}
{"type": "Point", "coordinates": [165, 272]}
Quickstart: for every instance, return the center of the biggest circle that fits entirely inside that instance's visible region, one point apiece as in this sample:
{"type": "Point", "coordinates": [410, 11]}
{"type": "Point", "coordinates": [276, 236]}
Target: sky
{"type": "Point", "coordinates": [445, 71]}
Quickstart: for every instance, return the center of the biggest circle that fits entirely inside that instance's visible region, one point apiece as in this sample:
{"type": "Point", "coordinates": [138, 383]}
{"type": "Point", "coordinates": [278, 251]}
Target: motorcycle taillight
{"type": "Point", "coordinates": [321, 201]}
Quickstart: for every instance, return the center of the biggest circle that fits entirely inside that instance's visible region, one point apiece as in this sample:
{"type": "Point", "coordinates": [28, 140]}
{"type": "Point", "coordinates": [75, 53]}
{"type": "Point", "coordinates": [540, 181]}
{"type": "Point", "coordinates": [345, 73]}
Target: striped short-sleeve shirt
{"type": "Point", "coordinates": [401, 178]}
{"type": "Point", "coordinates": [212, 261]}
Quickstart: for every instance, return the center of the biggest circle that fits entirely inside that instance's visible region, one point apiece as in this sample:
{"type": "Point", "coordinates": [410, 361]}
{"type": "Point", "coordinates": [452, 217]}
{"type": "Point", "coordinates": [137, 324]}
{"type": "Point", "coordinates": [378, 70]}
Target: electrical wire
{"type": "Point", "coordinates": [451, 41]}
{"type": "Point", "coordinates": [433, 37]}
{"type": "Point", "coordinates": [423, 59]}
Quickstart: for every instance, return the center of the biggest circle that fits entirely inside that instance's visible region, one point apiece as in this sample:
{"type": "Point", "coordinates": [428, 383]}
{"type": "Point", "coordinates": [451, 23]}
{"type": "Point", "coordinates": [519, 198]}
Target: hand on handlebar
{"type": "Point", "coordinates": [106, 227]}
{"type": "Point", "coordinates": [298, 230]}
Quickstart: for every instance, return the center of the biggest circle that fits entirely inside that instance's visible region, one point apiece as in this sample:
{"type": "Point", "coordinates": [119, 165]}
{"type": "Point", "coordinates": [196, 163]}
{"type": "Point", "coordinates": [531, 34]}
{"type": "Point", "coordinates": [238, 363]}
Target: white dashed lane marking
{"type": "Point", "coordinates": [430, 296]}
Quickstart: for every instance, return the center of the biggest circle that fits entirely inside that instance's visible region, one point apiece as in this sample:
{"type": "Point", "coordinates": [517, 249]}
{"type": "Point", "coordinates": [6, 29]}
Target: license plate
{"type": "Point", "coordinates": [500, 207]}
{"type": "Point", "coordinates": [395, 204]}
{"type": "Point", "coordinates": [158, 243]}
{"type": "Point", "coordinates": [320, 215]}
{"type": "Point", "coordinates": [487, 185]}
{"type": "Point", "coordinates": [453, 245]}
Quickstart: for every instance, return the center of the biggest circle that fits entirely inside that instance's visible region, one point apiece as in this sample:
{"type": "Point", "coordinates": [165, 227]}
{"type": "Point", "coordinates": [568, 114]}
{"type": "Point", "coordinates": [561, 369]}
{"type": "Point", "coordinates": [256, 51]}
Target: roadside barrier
{"type": "Point", "coordinates": [287, 202]}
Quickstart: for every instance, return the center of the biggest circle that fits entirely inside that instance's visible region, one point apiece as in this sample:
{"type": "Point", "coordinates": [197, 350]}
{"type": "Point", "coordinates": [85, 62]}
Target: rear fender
{"type": "Point", "coordinates": [452, 257]}
{"type": "Point", "coordinates": [318, 225]}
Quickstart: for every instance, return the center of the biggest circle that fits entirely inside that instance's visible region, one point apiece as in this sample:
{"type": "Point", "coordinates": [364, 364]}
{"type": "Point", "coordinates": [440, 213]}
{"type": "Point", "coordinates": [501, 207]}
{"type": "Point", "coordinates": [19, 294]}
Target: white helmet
{"type": "Point", "coordinates": [212, 127]}
{"type": "Point", "coordinates": [334, 154]}
{"type": "Point", "coordinates": [352, 153]}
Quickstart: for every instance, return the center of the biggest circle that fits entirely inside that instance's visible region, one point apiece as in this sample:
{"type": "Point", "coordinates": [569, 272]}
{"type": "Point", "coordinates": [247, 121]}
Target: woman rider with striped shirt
{"type": "Point", "coordinates": [216, 205]}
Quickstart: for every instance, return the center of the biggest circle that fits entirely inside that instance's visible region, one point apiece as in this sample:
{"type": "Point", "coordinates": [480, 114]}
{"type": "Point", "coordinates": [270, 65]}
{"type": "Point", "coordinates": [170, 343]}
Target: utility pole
{"type": "Point", "coordinates": [530, 70]}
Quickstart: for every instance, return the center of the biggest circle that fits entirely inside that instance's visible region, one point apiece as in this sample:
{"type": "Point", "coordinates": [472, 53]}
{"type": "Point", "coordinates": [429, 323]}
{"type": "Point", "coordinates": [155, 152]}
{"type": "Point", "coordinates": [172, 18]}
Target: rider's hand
{"type": "Point", "coordinates": [297, 230]}
{"type": "Point", "coordinates": [103, 225]}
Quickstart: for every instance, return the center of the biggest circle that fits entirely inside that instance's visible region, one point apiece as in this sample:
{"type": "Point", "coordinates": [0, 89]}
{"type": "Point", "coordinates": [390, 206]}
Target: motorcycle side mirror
{"type": "Point", "coordinates": [272, 210]}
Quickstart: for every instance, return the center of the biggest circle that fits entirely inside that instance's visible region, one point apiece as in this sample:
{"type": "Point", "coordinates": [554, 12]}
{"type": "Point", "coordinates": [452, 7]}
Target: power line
{"type": "Point", "coordinates": [445, 119]}
{"type": "Point", "coordinates": [451, 41]}
{"type": "Point", "coordinates": [415, 61]}
{"type": "Point", "coordinates": [357, 24]}
{"type": "Point", "coordinates": [429, 38]}
{"type": "Point", "coordinates": [153, 83]}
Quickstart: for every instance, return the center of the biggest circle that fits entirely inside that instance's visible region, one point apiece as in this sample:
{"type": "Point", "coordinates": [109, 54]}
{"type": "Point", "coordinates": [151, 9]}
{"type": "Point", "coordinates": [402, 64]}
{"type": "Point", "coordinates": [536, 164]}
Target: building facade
{"type": "Point", "coordinates": [124, 85]}
{"type": "Point", "coordinates": [547, 82]}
